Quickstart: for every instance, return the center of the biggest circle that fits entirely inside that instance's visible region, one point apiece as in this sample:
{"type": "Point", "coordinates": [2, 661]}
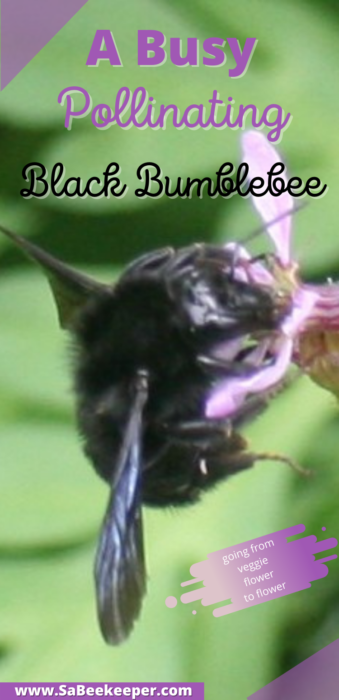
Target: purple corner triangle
{"type": "Point", "coordinates": [26, 27]}
{"type": "Point", "coordinates": [316, 678]}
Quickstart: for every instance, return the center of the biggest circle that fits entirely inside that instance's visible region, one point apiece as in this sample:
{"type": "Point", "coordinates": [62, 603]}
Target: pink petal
{"type": "Point", "coordinates": [250, 272]}
{"type": "Point", "coordinates": [260, 156]}
{"type": "Point", "coordinates": [304, 301]}
{"type": "Point", "coordinates": [231, 394]}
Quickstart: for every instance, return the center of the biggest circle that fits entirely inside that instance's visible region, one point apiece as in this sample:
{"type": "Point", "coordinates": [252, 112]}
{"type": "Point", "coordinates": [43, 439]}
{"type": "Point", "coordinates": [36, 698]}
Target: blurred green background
{"type": "Point", "coordinates": [51, 502]}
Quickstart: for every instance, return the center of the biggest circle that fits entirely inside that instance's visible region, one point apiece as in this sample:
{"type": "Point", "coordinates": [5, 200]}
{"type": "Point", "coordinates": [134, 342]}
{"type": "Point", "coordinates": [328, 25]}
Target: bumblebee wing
{"type": "Point", "coordinates": [120, 573]}
{"type": "Point", "coordinates": [71, 289]}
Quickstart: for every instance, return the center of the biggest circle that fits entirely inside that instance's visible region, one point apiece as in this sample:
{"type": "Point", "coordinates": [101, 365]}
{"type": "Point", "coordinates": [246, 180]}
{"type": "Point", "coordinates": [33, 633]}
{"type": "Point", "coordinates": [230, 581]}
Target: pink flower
{"type": "Point", "coordinates": [309, 335]}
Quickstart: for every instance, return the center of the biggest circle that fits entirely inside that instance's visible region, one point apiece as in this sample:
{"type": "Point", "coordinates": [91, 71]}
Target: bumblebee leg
{"type": "Point", "coordinates": [183, 260]}
{"type": "Point", "coordinates": [277, 457]}
{"type": "Point", "coordinates": [197, 431]}
{"type": "Point", "coordinates": [150, 261]}
{"type": "Point", "coordinates": [188, 258]}
{"type": "Point", "coordinates": [215, 365]}
{"type": "Point", "coordinates": [218, 254]}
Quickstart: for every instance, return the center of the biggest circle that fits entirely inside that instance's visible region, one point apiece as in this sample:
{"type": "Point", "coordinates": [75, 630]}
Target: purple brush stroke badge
{"type": "Point", "coordinates": [257, 571]}
{"type": "Point", "coordinates": [26, 27]}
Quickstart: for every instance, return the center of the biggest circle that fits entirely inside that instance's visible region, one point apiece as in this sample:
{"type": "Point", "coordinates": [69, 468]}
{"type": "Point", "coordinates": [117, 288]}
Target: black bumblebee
{"type": "Point", "coordinates": [144, 364]}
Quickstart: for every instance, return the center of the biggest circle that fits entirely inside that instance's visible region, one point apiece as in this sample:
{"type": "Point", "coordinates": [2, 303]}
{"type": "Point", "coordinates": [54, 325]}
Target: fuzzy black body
{"type": "Point", "coordinates": [167, 311]}
{"type": "Point", "coordinates": [145, 362]}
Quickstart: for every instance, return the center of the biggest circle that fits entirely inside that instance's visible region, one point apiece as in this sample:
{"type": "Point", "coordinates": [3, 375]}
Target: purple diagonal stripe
{"type": "Point", "coordinates": [316, 678]}
{"type": "Point", "coordinates": [26, 27]}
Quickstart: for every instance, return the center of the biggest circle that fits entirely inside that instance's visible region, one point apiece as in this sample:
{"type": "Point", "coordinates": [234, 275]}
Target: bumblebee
{"type": "Point", "coordinates": [145, 359]}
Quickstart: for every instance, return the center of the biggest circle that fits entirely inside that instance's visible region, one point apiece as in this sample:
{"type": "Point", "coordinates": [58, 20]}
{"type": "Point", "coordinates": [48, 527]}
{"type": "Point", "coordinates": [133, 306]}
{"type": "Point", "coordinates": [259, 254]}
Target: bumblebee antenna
{"type": "Point", "coordinates": [261, 229]}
